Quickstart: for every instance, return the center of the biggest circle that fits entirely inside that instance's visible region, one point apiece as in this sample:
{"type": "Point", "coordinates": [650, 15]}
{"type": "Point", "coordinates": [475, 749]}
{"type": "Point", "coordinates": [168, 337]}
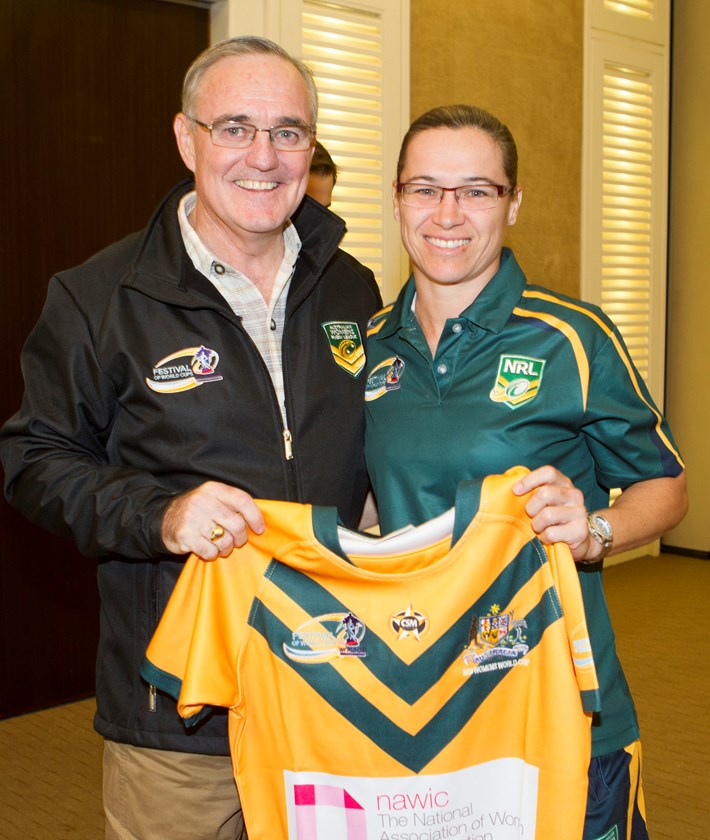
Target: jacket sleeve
{"type": "Point", "coordinates": [58, 472]}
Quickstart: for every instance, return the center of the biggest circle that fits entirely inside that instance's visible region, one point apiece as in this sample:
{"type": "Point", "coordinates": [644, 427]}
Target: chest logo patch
{"type": "Point", "coordinates": [185, 369]}
{"type": "Point", "coordinates": [409, 622]}
{"type": "Point", "coordinates": [327, 637]}
{"type": "Point", "coordinates": [346, 345]}
{"type": "Point", "coordinates": [497, 642]}
{"type": "Point", "coordinates": [383, 378]}
{"type": "Point", "coordinates": [518, 381]}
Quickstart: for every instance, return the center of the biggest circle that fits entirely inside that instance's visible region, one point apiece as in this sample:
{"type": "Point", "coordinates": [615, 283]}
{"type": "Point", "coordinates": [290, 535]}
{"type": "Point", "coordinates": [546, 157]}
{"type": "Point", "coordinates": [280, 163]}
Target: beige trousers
{"type": "Point", "coordinates": [162, 795]}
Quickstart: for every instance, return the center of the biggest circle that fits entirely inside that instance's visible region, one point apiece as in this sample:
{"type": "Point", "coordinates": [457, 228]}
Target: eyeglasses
{"type": "Point", "coordinates": [233, 134]}
{"type": "Point", "coordinates": [470, 196]}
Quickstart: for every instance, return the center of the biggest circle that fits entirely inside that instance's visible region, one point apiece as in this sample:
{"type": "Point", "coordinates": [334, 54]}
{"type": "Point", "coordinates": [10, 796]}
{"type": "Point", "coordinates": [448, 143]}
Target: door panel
{"type": "Point", "coordinates": [89, 89]}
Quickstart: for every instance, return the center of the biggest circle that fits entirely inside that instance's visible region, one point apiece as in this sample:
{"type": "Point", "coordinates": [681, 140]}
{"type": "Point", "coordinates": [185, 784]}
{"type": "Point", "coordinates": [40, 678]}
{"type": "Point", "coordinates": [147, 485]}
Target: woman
{"type": "Point", "coordinates": [472, 371]}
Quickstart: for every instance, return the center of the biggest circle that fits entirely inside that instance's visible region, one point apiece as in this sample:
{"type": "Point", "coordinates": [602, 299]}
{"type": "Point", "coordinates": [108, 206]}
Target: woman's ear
{"type": "Point", "coordinates": [514, 206]}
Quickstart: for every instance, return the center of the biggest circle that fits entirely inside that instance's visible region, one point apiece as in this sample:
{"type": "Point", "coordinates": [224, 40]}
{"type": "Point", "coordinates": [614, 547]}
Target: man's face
{"type": "Point", "coordinates": [245, 193]}
{"type": "Point", "coordinates": [448, 245]}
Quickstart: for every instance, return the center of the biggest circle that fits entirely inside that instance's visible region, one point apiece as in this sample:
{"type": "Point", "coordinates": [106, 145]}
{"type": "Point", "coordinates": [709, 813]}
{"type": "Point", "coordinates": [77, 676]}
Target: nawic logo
{"type": "Point", "coordinates": [518, 381]}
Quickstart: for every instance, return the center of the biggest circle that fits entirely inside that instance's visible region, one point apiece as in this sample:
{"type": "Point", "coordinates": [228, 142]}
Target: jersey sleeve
{"type": "Point", "coordinates": [627, 435]}
{"type": "Point", "coordinates": [194, 651]}
{"type": "Point", "coordinates": [566, 579]}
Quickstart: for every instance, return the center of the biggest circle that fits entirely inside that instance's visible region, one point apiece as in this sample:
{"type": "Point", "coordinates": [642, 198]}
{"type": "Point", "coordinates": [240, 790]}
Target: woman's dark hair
{"type": "Point", "coordinates": [465, 116]}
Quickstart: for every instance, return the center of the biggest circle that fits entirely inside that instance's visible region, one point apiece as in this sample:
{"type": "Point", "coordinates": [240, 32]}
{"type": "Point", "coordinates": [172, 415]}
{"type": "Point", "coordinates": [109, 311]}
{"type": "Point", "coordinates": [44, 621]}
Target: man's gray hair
{"type": "Point", "coordinates": [242, 45]}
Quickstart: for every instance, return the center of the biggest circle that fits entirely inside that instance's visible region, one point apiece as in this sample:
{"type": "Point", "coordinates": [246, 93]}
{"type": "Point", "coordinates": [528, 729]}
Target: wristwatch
{"type": "Point", "coordinates": [600, 529]}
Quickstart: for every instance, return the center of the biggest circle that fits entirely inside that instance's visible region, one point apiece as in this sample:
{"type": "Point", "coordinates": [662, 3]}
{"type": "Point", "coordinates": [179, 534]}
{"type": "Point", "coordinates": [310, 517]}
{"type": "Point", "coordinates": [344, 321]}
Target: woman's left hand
{"type": "Point", "coordinates": [558, 512]}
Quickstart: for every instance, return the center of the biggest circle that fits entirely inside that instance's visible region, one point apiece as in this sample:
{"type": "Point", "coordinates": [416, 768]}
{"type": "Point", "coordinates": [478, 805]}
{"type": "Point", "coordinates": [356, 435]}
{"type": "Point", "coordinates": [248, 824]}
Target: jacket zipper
{"type": "Point", "coordinates": [285, 431]}
{"type": "Point", "coordinates": [288, 444]}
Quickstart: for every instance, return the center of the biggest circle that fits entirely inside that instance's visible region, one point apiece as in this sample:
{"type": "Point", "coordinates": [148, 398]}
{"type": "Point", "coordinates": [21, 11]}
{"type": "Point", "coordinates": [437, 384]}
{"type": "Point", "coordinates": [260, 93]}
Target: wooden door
{"type": "Point", "coordinates": [89, 89]}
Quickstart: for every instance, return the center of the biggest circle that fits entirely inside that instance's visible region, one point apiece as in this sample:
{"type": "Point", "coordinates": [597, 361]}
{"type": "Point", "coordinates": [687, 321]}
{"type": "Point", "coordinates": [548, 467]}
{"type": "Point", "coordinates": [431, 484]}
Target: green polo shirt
{"type": "Point", "coordinates": [523, 376]}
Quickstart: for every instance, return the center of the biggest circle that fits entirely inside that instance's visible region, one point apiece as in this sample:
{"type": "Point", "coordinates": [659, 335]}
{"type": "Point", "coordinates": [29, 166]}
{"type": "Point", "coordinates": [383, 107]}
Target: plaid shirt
{"type": "Point", "coordinates": [263, 322]}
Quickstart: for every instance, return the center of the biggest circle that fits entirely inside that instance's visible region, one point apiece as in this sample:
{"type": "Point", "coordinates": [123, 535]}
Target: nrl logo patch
{"type": "Point", "coordinates": [187, 368]}
{"type": "Point", "coordinates": [518, 381]}
{"type": "Point", "coordinates": [346, 345]}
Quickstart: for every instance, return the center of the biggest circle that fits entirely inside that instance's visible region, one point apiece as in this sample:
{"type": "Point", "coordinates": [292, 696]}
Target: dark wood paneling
{"type": "Point", "coordinates": [89, 89]}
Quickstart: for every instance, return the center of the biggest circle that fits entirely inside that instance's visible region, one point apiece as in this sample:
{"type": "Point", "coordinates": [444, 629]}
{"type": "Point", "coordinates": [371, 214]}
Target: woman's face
{"type": "Point", "coordinates": [448, 245]}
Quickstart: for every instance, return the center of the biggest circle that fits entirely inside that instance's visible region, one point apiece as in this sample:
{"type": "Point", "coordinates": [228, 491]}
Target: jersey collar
{"type": "Point", "coordinates": [490, 311]}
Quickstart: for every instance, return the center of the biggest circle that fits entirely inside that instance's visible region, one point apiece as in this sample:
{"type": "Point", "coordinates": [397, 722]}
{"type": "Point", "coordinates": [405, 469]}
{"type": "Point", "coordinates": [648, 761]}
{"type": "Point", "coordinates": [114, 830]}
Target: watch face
{"type": "Point", "coordinates": [604, 526]}
{"type": "Point", "coordinates": [600, 529]}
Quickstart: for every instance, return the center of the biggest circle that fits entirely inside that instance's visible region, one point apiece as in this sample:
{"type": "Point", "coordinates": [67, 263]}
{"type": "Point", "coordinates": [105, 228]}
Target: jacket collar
{"type": "Point", "coordinates": [162, 267]}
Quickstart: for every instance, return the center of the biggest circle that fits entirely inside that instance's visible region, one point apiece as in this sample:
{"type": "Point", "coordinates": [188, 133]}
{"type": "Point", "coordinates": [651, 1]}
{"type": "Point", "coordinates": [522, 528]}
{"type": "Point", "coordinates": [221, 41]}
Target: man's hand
{"type": "Point", "coordinates": [192, 521]}
{"type": "Point", "coordinates": [558, 512]}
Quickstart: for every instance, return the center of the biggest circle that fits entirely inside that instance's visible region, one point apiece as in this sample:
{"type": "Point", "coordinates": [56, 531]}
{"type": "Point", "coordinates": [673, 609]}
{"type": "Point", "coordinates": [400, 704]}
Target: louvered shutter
{"type": "Point", "coordinates": [344, 48]}
{"type": "Point", "coordinates": [625, 189]}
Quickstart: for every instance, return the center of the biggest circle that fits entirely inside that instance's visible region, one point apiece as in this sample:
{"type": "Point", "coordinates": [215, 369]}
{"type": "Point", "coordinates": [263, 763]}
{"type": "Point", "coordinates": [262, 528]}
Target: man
{"type": "Point", "coordinates": [323, 176]}
{"type": "Point", "coordinates": [214, 357]}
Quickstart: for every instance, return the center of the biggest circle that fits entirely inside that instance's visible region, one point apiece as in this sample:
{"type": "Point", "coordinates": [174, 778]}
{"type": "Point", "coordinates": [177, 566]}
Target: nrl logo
{"type": "Point", "coordinates": [346, 345]}
{"type": "Point", "coordinates": [518, 381]}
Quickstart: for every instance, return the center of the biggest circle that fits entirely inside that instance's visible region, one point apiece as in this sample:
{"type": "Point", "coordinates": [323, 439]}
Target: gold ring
{"type": "Point", "coordinates": [216, 532]}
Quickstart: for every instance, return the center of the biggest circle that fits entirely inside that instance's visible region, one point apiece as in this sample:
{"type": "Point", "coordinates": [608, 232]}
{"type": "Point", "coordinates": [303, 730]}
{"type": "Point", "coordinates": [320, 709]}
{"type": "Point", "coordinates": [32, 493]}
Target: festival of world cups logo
{"type": "Point", "coordinates": [185, 369]}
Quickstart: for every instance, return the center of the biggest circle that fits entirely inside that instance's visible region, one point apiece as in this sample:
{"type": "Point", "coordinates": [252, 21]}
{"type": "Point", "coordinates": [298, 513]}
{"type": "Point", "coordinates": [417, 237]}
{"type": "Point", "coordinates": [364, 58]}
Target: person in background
{"type": "Point", "coordinates": [173, 377]}
{"type": "Point", "coordinates": [472, 371]}
{"type": "Point", "coordinates": [323, 176]}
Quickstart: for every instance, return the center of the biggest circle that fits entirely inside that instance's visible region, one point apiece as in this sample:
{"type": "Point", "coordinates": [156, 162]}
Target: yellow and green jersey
{"type": "Point", "coordinates": [433, 683]}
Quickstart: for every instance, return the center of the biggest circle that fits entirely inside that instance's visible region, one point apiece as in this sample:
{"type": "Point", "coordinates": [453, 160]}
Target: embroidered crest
{"type": "Point", "coordinates": [518, 381]}
{"type": "Point", "coordinates": [326, 637]}
{"type": "Point", "coordinates": [384, 377]}
{"type": "Point", "coordinates": [496, 641]}
{"type": "Point", "coordinates": [346, 345]}
{"type": "Point", "coordinates": [185, 369]}
{"type": "Point", "coordinates": [409, 622]}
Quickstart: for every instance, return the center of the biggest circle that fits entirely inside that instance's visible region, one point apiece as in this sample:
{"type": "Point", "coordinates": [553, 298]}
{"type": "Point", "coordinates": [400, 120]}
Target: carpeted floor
{"type": "Point", "coordinates": [50, 761]}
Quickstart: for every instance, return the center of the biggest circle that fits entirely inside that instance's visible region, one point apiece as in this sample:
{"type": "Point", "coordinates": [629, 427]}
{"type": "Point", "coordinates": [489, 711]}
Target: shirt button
{"type": "Point", "coordinates": [442, 369]}
{"type": "Point", "coordinates": [456, 328]}
{"type": "Point", "coordinates": [219, 268]}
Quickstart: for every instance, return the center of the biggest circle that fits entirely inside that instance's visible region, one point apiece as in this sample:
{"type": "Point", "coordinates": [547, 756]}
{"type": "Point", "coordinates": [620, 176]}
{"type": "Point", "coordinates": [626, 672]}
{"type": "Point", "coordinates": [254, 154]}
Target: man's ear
{"type": "Point", "coordinates": [185, 137]}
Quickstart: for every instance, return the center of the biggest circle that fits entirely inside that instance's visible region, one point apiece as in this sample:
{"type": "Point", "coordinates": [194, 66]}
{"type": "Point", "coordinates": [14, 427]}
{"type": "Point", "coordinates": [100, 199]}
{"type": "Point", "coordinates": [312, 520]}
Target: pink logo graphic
{"type": "Point", "coordinates": [325, 811]}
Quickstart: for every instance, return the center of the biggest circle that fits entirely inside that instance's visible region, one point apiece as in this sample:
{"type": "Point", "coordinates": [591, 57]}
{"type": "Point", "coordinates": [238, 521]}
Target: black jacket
{"type": "Point", "coordinates": [117, 418]}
